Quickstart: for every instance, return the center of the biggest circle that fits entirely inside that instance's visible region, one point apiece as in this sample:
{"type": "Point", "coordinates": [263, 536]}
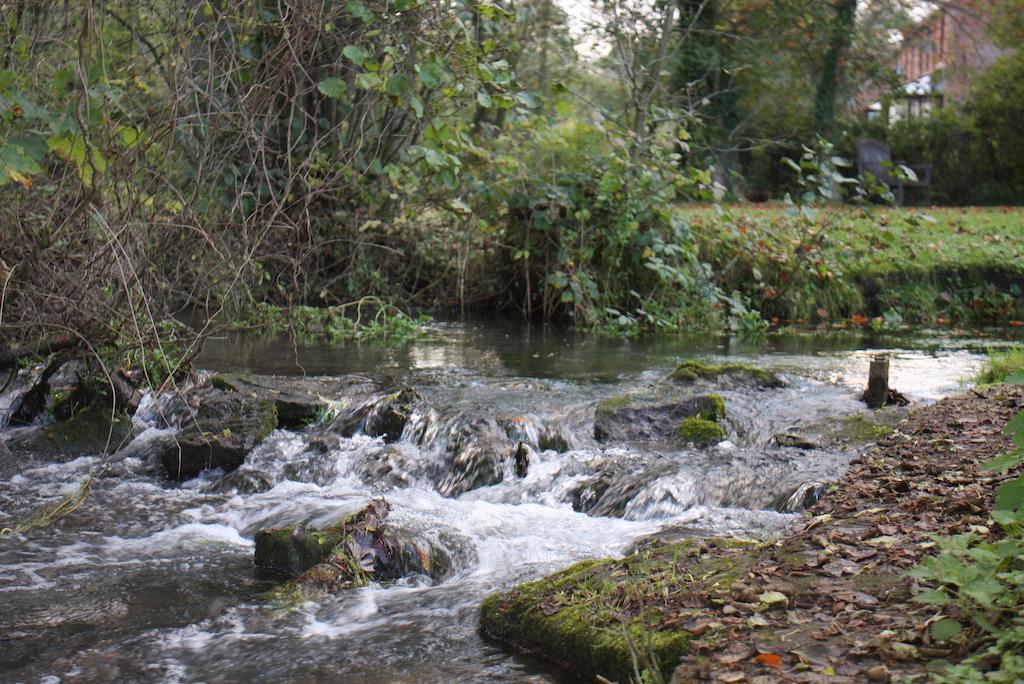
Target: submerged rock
{"type": "Point", "coordinates": [690, 371]}
{"type": "Point", "coordinates": [299, 400]}
{"type": "Point", "coordinates": [246, 481]}
{"type": "Point", "coordinates": [93, 430]}
{"type": "Point", "coordinates": [383, 417]}
{"type": "Point", "coordinates": [801, 498]}
{"type": "Point", "coordinates": [636, 419]}
{"type": "Point", "coordinates": [795, 441]}
{"type": "Point", "coordinates": [609, 493]}
{"type": "Point", "coordinates": [348, 554]}
{"type": "Point", "coordinates": [225, 427]}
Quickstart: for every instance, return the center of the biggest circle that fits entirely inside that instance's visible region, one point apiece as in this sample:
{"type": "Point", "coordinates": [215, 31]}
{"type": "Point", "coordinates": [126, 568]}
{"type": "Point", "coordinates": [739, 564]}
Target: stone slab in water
{"type": "Point", "coordinates": [224, 429]}
{"type": "Point", "coordinates": [348, 554]}
{"type": "Point", "coordinates": [635, 419]}
{"type": "Point", "coordinates": [88, 432]}
{"type": "Point", "coordinates": [298, 400]}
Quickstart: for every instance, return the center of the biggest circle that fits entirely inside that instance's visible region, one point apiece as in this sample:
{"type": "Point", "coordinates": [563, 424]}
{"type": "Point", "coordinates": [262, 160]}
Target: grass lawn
{"type": "Point", "coordinates": [934, 265]}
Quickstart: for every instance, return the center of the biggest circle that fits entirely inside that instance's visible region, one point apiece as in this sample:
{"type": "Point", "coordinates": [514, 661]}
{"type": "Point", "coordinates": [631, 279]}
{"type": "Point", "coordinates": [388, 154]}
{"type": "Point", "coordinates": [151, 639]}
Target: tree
{"type": "Point", "coordinates": [840, 40]}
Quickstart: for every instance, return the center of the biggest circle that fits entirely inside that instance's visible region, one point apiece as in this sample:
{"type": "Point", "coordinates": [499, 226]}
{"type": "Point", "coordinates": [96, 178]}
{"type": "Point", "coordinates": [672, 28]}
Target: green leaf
{"type": "Point", "coordinates": [358, 10]}
{"type": "Point", "coordinates": [367, 80]}
{"type": "Point", "coordinates": [933, 597]}
{"type": "Point", "coordinates": [431, 74]}
{"type": "Point", "coordinates": [353, 54]}
{"type": "Point", "coordinates": [1004, 461]}
{"type": "Point", "coordinates": [417, 106]}
{"type": "Point", "coordinates": [527, 99]}
{"type": "Point", "coordinates": [1015, 429]}
{"type": "Point", "coordinates": [333, 87]}
{"type": "Point", "coordinates": [74, 149]}
{"type": "Point", "coordinates": [946, 629]}
{"type": "Point", "coordinates": [1010, 495]}
{"type": "Point", "coordinates": [484, 100]}
{"type": "Point", "coordinates": [397, 84]}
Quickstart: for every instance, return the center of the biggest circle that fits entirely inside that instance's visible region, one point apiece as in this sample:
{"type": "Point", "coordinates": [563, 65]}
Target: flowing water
{"type": "Point", "coordinates": [153, 581]}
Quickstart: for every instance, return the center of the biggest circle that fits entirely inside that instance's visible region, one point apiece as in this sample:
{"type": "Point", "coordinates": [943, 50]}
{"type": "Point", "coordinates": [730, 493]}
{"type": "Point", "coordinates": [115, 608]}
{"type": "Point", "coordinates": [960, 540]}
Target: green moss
{"type": "Point", "coordinates": [701, 431]}
{"type": "Point", "coordinates": [289, 552]}
{"type": "Point", "coordinates": [690, 371]}
{"type": "Point", "coordinates": [719, 403]}
{"type": "Point", "coordinates": [860, 429]}
{"type": "Point", "coordinates": [612, 404]}
{"type": "Point", "coordinates": [89, 431]}
{"type": "Point", "coordinates": [571, 619]}
{"type": "Point", "coordinates": [222, 383]}
{"type": "Point", "coordinates": [599, 617]}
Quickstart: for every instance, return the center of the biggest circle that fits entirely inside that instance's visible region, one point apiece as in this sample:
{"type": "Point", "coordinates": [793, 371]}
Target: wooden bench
{"type": "Point", "coordinates": [874, 157]}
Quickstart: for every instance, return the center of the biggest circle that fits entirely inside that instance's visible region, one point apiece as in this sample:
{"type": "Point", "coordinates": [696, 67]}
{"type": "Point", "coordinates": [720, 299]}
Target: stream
{"type": "Point", "coordinates": [151, 580]}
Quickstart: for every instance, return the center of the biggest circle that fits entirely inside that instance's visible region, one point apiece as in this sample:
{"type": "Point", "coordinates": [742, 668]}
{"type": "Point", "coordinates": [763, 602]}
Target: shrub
{"type": "Point", "coordinates": [591, 232]}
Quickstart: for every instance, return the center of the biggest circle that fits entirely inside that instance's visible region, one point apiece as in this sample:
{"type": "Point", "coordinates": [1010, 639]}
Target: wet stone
{"type": "Point", "coordinates": [299, 401]}
{"type": "Point", "coordinates": [384, 417]}
{"type": "Point", "coordinates": [348, 554]}
{"type": "Point", "coordinates": [226, 426]}
{"type": "Point", "coordinates": [633, 419]}
{"type": "Point", "coordinates": [90, 431]}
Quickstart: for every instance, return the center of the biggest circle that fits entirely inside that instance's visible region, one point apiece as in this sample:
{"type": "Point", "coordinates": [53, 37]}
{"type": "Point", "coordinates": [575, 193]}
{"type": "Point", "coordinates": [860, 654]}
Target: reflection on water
{"type": "Point", "coordinates": [150, 581]}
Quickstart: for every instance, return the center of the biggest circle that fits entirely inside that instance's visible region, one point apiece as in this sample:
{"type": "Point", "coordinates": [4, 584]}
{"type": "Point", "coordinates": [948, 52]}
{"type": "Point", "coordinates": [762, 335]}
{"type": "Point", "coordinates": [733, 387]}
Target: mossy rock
{"type": "Point", "coordinates": [638, 419]}
{"type": "Point", "coordinates": [345, 555]}
{"type": "Point", "coordinates": [90, 431]}
{"type": "Point", "coordinates": [575, 618]}
{"type": "Point", "coordinates": [701, 431]}
{"type": "Point", "coordinates": [691, 371]}
{"type": "Point", "coordinates": [717, 408]}
{"type": "Point", "coordinates": [291, 552]}
{"type": "Point", "coordinates": [299, 400]}
{"type": "Point", "coordinates": [594, 617]}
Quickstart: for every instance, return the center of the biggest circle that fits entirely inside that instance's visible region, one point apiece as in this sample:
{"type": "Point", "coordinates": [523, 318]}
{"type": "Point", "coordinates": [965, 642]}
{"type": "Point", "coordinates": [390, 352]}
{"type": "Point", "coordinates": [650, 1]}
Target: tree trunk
{"type": "Point", "coordinates": [877, 393]}
{"type": "Point", "coordinates": [652, 73]}
{"type": "Point", "coordinates": [828, 85]}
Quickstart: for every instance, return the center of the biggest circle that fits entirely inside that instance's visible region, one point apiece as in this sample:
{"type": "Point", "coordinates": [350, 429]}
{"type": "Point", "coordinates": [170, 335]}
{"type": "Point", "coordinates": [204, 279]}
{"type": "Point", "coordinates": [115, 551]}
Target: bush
{"type": "Point", "coordinates": [591, 233]}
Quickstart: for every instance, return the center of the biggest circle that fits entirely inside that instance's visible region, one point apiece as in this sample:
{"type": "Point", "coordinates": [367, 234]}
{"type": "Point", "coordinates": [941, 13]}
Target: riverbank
{"type": "Point", "coordinates": [882, 267]}
{"type": "Point", "coordinates": [830, 597]}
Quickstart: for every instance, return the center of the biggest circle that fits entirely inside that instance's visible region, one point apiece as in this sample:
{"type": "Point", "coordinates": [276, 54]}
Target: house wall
{"type": "Point", "coordinates": [952, 43]}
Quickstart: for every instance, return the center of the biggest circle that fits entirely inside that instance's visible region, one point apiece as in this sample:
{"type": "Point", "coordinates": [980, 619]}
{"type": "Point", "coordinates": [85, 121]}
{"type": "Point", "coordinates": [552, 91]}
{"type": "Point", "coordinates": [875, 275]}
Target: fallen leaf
{"type": "Point", "coordinates": [769, 660]}
{"type": "Point", "coordinates": [773, 598]}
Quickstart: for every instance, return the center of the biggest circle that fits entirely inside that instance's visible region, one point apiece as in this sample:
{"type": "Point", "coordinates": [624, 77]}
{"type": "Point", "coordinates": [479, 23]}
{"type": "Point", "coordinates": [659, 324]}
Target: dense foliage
{"type": "Point", "coordinates": [162, 161]}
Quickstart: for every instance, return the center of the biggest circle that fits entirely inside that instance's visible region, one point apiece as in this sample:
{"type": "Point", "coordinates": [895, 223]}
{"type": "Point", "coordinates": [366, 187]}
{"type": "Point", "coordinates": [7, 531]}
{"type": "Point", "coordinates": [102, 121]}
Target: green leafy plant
{"type": "Point", "coordinates": [366, 320]}
{"type": "Point", "coordinates": [980, 581]}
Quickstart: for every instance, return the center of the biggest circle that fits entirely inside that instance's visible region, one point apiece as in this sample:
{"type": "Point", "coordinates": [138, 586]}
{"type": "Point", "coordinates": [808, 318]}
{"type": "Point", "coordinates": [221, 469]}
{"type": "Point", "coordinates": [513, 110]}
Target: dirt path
{"type": "Point", "coordinates": [833, 596]}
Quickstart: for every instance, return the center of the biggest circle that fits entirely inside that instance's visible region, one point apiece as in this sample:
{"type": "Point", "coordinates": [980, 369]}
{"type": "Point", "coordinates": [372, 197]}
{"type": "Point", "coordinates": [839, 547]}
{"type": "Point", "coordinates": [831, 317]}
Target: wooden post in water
{"type": "Point", "coordinates": [877, 393]}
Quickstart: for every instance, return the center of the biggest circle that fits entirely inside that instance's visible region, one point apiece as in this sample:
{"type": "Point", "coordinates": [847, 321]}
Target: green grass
{"type": "Point", "coordinates": [1002, 365]}
{"type": "Point", "coordinates": [918, 266]}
